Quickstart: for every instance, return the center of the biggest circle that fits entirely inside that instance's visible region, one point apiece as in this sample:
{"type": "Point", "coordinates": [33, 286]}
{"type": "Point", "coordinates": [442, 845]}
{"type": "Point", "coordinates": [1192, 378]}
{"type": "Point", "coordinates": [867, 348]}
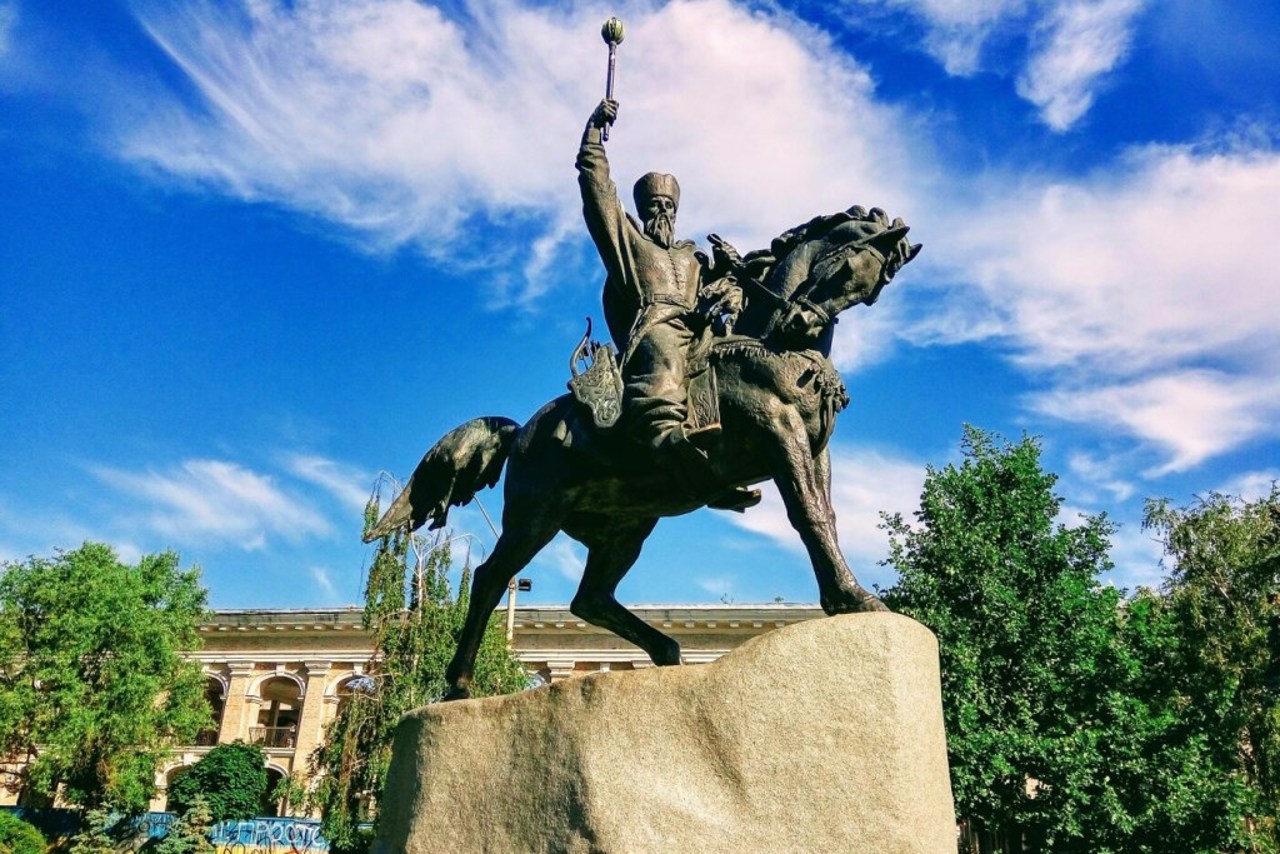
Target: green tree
{"type": "Point", "coordinates": [1027, 637]}
{"type": "Point", "coordinates": [19, 837]}
{"type": "Point", "coordinates": [93, 683]}
{"type": "Point", "coordinates": [231, 779]}
{"type": "Point", "coordinates": [190, 833]}
{"type": "Point", "coordinates": [415, 620]}
{"type": "Point", "coordinates": [1223, 594]}
{"type": "Point", "coordinates": [95, 835]}
{"type": "Point", "coordinates": [1070, 714]}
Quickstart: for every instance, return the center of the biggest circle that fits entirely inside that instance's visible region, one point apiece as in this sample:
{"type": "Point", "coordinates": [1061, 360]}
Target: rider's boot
{"type": "Point", "coordinates": [740, 499]}
{"type": "Point", "coordinates": [688, 463]}
{"type": "Point", "coordinates": [693, 470]}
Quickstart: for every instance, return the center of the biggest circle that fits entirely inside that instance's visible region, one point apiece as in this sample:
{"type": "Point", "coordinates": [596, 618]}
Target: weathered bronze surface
{"type": "Point", "coordinates": [724, 381]}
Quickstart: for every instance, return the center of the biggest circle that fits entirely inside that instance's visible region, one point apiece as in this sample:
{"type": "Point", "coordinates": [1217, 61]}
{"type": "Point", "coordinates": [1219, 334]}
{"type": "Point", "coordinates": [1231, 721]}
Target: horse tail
{"type": "Point", "coordinates": [469, 458]}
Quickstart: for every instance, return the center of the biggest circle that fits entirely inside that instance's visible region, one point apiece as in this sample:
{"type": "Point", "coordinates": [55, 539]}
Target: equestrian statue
{"type": "Point", "coordinates": [720, 379]}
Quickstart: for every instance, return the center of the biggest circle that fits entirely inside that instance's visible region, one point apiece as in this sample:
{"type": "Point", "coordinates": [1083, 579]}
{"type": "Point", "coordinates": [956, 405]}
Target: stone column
{"type": "Point", "coordinates": [234, 723]}
{"type": "Point", "coordinates": [311, 722]}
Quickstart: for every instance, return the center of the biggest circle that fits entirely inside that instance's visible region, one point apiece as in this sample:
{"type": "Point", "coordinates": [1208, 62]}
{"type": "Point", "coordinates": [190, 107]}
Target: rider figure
{"type": "Point", "coordinates": [653, 281]}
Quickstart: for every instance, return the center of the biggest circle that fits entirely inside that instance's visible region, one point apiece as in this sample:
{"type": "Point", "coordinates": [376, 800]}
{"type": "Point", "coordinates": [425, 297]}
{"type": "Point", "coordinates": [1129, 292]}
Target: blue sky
{"type": "Point", "coordinates": [253, 253]}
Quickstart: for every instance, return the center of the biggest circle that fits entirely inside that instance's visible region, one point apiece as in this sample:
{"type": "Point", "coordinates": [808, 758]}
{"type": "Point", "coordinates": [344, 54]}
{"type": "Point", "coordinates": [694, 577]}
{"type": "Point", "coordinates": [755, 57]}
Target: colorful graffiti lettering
{"type": "Point", "coordinates": [255, 836]}
{"type": "Point", "coordinates": [269, 836]}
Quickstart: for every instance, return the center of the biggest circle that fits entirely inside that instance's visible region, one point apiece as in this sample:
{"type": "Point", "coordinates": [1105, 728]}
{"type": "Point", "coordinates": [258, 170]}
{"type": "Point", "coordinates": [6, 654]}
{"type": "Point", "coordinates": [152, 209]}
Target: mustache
{"type": "Point", "coordinates": [661, 229]}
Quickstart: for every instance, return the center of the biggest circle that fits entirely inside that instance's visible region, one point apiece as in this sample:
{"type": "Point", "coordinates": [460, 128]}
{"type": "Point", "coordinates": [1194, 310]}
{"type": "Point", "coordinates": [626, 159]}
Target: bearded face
{"type": "Point", "coordinates": [660, 220]}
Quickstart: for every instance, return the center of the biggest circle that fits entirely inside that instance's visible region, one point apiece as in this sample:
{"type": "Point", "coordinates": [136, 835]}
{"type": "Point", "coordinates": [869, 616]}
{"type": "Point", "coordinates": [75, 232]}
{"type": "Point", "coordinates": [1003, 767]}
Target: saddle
{"type": "Point", "coordinates": [596, 383]}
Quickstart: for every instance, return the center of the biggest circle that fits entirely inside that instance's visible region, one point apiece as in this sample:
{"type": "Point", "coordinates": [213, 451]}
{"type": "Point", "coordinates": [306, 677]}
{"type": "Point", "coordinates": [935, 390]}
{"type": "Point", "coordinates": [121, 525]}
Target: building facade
{"type": "Point", "coordinates": [277, 677]}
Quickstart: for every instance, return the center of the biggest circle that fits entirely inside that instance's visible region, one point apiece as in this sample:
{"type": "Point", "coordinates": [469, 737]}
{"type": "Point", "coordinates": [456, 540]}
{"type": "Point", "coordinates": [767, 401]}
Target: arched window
{"type": "Point", "coordinates": [215, 696]}
{"type": "Point", "coordinates": [170, 777]}
{"type": "Point", "coordinates": [279, 713]}
{"type": "Point", "coordinates": [271, 807]}
{"type": "Point", "coordinates": [358, 684]}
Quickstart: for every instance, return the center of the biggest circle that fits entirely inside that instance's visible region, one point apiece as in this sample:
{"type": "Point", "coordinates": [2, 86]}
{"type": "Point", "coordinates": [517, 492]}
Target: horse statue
{"type": "Point", "coordinates": [776, 395]}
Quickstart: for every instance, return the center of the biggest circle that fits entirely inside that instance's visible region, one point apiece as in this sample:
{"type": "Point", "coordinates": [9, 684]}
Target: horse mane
{"type": "Point", "coordinates": [761, 261]}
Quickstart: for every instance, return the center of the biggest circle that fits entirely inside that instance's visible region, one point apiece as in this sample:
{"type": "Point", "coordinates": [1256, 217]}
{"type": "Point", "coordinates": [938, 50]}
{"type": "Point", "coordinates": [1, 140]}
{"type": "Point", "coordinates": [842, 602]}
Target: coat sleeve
{"type": "Point", "coordinates": [611, 230]}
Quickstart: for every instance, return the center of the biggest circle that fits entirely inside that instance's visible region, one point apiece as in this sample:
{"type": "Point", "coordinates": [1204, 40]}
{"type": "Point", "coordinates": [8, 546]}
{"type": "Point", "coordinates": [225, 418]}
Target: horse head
{"type": "Point", "coordinates": [827, 265]}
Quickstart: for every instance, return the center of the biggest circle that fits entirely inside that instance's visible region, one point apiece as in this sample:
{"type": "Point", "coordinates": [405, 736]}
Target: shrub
{"type": "Point", "coordinates": [232, 778]}
{"type": "Point", "coordinates": [19, 837]}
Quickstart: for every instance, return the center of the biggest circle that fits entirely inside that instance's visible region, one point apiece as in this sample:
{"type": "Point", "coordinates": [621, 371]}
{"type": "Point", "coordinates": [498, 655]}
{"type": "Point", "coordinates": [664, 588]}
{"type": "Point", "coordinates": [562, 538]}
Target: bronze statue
{"type": "Point", "coordinates": [724, 381]}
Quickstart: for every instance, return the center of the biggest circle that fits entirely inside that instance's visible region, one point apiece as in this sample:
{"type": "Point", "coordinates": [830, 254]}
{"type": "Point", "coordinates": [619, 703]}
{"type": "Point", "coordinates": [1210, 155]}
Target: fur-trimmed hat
{"type": "Point", "coordinates": [656, 184]}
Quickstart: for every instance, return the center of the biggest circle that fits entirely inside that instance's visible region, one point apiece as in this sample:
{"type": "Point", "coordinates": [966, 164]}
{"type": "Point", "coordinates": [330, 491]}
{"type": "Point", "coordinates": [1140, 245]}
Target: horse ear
{"type": "Point", "coordinates": [886, 240]}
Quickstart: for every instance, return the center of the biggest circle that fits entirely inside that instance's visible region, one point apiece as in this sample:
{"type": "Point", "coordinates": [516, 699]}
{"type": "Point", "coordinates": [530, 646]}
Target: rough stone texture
{"type": "Point", "coordinates": [824, 736]}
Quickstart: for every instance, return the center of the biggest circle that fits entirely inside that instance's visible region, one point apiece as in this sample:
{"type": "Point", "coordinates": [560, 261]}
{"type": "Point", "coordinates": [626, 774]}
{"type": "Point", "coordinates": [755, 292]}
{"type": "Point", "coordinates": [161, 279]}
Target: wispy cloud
{"type": "Point", "coordinates": [320, 575]}
{"type": "Point", "coordinates": [565, 557]}
{"type": "Point", "coordinates": [32, 530]}
{"type": "Point", "coordinates": [955, 30]}
{"type": "Point", "coordinates": [215, 500]}
{"type": "Point", "coordinates": [8, 24]}
{"type": "Point", "coordinates": [1192, 415]}
{"type": "Point", "coordinates": [1073, 44]}
{"type": "Point", "coordinates": [1251, 486]}
{"type": "Point", "coordinates": [346, 483]}
{"type": "Point", "coordinates": [720, 585]}
{"type": "Point", "coordinates": [1078, 42]}
{"type": "Point", "coordinates": [478, 118]}
{"type": "Point", "coordinates": [1144, 294]}
{"type": "Point", "coordinates": [1102, 473]}
{"type": "Point", "coordinates": [1136, 554]}
{"type": "Point", "coordinates": [864, 483]}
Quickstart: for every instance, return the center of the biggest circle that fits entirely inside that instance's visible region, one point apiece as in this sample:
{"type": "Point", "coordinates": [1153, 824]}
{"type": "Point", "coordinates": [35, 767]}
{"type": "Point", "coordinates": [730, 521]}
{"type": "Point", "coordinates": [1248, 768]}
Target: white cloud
{"type": "Point", "coordinates": [1101, 473]}
{"type": "Point", "coordinates": [864, 483]}
{"type": "Point", "coordinates": [1251, 486]}
{"type": "Point", "coordinates": [1081, 40]}
{"type": "Point", "coordinates": [1148, 296]}
{"type": "Point", "coordinates": [215, 500]}
{"type": "Point", "coordinates": [1136, 554]}
{"type": "Point", "coordinates": [401, 124]}
{"type": "Point", "coordinates": [320, 575]}
{"type": "Point", "coordinates": [346, 483]}
{"type": "Point", "coordinates": [719, 586]}
{"type": "Point", "coordinates": [8, 23]}
{"type": "Point", "coordinates": [956, 29]}
{"type": "Point", "coordinates": [1073, 44]}
{"type": "Point", "coordinates": [1193, 415]}
{"type": "Point", "coordinates": [866, 334]}
{"type": "Point", "coordinates": [565, 557]}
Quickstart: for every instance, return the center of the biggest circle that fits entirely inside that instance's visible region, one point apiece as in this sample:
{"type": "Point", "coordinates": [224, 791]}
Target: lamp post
{"type": "Point", "coordinates": [524, 585]}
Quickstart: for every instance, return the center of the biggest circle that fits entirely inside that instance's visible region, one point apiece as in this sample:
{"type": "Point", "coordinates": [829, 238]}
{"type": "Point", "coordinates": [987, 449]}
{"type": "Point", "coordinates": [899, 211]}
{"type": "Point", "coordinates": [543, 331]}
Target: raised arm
{"type": "Point", "coordinates": [600, 206]}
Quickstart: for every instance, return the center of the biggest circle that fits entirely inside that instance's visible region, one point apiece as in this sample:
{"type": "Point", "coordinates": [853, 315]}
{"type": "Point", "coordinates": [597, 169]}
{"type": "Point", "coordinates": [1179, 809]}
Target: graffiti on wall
{"type": "Point", "coordinates": [254, 836]}
{"type": "Point", "coordinates": [269, 836]}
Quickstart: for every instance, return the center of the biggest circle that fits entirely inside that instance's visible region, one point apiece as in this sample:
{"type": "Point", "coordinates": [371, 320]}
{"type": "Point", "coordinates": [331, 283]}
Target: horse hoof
{"type": "Point", "coordinates": [857, 603]}
{"type": "Point", "coordinates": [870, 603]}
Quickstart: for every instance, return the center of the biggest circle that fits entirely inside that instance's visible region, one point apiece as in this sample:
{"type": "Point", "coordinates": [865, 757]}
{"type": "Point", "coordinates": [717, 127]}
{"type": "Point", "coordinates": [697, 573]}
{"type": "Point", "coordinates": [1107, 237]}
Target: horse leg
{"type": "Point", "coordinates": [805, 484]}
{"type": "Point", "coordinates": [524, 534]}
{"type": "Point", "coordinates": [609, 556]}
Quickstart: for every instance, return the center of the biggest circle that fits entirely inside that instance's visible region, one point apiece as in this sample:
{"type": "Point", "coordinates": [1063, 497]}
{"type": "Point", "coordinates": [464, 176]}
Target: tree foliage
{"type": "Point", "coordinates": [1223, 599]}
{"type": "Point", "coordinates": [190, 833]}
{"type": "Point", "coordinates": [231, 780]}
{"type": "Point", "coordinates": [93, 684]}
{"type": "Point", "coordinates": [1064, 723]}
{"type": "Point", "coordinates": [415, 621]}
{"type": "Point", "coordinates": [95, 836]}
{"type": "Point", "coordinates": [1023, 628]}
{"type": "Point", "coordinates": [19, 837]}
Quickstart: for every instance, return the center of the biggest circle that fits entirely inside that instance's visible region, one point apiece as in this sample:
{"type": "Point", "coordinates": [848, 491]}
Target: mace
{"type": "Point", "coordinates": [612, 33]}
